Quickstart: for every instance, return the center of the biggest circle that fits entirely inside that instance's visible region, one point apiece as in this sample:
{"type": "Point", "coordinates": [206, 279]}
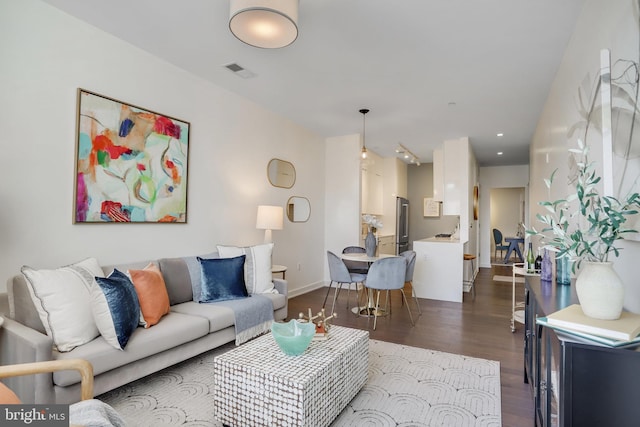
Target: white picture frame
{"type": "Point", "coordinates": [431, 207]}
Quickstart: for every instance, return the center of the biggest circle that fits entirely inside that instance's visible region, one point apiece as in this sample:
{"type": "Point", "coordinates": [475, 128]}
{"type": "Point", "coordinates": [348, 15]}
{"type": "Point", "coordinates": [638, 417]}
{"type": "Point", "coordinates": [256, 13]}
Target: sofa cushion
{"type": "Point", "coordinates": [62, 298]}
{"type": "Point", "coordinates": [116, 309]}
{"type": "Point", "coordinates": [257, 267]}
{"type": "Point", "coordinates": [177, 279]}
{"type": "Point", "coordinates": [174, 330]}
{"type": "Point", "coordinates": [219, 317]}
{"type": "Point", "coordinates": [152, 293]}
{"type": "Point", "coordinates": [222, 279]}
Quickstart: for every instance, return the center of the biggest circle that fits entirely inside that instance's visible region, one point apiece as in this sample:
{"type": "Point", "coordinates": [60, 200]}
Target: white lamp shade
{"type": "Point", "coordinates": [270, 217]}
{"type": "Point", "coordinates": [267, 24]}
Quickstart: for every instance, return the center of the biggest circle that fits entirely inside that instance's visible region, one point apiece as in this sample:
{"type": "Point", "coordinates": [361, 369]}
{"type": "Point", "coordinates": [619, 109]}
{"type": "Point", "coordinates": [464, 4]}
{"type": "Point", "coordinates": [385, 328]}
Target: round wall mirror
{"type": "Point", "coordinates": [298, 209]}
{"type": "Point", "coordinates": [281, 173]}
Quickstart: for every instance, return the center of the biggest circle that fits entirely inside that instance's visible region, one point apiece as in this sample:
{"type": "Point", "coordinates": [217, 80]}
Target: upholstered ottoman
{"type": "Point", "coordinates": [258, 385]}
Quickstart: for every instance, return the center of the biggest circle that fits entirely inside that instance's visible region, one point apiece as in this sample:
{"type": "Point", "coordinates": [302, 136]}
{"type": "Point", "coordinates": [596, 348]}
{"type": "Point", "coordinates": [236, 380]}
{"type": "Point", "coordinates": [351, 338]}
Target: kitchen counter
{"type": "Point", "coordinates": [439, 268]}
{"type": "Point", "coordinates": [439, 240]}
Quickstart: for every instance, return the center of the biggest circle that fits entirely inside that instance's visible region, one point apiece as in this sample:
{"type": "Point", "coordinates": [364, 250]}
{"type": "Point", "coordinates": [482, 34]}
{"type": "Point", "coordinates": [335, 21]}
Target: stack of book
{"type": "Point", "coordinates": [622, 332]}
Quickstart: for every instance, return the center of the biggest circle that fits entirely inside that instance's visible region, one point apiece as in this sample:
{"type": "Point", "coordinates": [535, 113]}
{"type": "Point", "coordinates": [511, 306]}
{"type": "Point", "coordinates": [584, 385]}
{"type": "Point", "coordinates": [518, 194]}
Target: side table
{"type": "Point", "coordinates": [275, 269]}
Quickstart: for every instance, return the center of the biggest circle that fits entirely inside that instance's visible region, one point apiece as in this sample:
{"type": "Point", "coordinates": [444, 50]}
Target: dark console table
{"type": "Point", "coordinates": [574, 382]}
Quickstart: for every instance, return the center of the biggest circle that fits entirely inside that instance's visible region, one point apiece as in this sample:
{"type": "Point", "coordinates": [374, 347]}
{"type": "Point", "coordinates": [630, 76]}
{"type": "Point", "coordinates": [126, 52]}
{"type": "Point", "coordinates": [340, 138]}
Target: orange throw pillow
{"type": "Point", "coordinates": [7, 397]}
{"type": "Point", "coordinates": [152, 293]}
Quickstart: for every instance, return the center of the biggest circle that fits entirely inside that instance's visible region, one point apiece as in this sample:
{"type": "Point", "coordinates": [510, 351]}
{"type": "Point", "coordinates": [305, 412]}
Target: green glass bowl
{"type": "Point", "coordinates": [293, 337]}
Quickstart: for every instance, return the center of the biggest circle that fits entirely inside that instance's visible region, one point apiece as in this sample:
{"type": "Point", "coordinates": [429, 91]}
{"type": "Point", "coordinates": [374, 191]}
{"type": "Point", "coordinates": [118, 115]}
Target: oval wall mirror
{"type": "Point", "coordinates": [281, 173]}
{"type": "Point", "coordinates": [298, 209]}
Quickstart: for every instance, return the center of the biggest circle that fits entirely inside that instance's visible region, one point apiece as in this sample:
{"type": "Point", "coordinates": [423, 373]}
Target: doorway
{"type": "Point", "coordinates": [507, 208]}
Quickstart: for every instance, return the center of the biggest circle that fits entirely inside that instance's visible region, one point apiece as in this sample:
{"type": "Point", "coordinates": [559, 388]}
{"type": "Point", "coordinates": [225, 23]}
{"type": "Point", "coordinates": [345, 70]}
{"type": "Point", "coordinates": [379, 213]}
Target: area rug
{"type": "Point", "coordinates": [519, 279]}
{"type": "Point", "coordinates": [407, 386]}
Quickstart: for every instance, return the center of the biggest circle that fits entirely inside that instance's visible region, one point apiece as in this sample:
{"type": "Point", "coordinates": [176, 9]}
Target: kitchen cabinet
{"type": "Point", "coordinates": [575, 382]}
{"type": "Point", "coordinates": [438, 272]}
{"type": "Point", "coordinates": [454, 178]}
{"type": "Point", "coordinates": [372, 185]}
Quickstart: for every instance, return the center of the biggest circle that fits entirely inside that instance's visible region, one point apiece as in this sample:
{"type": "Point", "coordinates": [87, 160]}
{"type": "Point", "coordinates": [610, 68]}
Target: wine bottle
{"type": "Point", "coordinates": [530, 260]}
{"type": "Point", "coordinates": [537, 265]}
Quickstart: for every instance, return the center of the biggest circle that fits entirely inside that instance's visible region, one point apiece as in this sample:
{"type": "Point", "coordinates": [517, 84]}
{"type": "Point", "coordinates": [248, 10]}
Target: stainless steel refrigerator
{"type": "Point", "coordinates": [402, 225]}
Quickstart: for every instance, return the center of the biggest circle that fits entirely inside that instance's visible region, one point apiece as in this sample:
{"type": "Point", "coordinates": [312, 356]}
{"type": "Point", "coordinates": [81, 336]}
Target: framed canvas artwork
{"type": "Point", "coordinates": [131, 163]}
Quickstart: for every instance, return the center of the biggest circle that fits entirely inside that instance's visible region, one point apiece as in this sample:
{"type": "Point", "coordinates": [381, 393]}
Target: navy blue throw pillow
{"type": "Point", "coordinates": [222, 279]}
{"type": "Point", "coordinates": [116, 308]}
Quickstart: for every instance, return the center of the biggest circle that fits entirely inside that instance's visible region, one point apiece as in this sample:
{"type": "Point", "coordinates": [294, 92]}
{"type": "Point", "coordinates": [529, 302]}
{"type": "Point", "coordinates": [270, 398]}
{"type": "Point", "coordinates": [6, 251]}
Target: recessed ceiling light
{"type": "Point", "coordinates": [499, 153]}
{"type": "Point", "coordinates": [501, 134]}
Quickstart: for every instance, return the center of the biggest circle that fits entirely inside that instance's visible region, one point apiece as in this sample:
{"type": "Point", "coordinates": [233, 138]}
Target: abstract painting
{"type": "Point", "coordinates": [131, 163]}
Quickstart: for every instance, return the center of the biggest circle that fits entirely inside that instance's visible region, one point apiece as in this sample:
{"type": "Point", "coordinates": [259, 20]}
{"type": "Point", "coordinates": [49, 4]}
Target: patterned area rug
{"type": "Point", "coordinates": [407, 386]}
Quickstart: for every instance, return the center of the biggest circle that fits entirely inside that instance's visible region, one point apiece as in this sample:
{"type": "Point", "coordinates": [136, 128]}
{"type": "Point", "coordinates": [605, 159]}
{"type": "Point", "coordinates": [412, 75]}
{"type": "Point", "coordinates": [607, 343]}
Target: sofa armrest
{"type": "Point", "coordinates": [21, 344]}
{"type": "Point", "coordinates": [281, 286]}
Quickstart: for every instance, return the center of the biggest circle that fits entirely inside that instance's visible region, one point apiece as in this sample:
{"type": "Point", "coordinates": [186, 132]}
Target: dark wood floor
{"type": "Point", "coordinates": [477, 328]}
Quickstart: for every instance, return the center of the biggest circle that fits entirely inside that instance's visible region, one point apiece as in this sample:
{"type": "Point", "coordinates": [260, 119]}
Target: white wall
{"type": "Point", "coordinates": [46, 55]}
{"type": "Point", "coordinates": [342, 199]}
{"type": "Point", "coordinates": [496, 177]}
{"type": "Point", "coordinates": [612, 25]}
{"type": "Point", "coordinates": [505, 209]}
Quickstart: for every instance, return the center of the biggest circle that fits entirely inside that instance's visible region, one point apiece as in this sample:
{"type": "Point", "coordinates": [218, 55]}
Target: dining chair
{"type": "Point", "coordinates": [359, 267]}
{"type": "Point", "coordinates": [410, 257]}
{"type": "Point", "coordinates": [500, 244]}
{"type": "Point", "coordinates": [387, 274]}
{"type": "Point", "coordinates": [339, 274]}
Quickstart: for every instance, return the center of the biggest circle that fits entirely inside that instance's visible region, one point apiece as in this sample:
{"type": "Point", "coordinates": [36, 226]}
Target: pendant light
{"type": "Point", "coordinates": [364, 146]}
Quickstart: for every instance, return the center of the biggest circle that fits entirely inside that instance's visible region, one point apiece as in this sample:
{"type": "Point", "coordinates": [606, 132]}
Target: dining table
{"type": "Point", "coordinates": [514, 245]}
{"type": "Point", "coordinates": [369, 309]}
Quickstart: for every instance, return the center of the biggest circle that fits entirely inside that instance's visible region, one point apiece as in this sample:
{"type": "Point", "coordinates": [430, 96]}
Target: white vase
{"type": "Point", "coordinates": [600, 290]}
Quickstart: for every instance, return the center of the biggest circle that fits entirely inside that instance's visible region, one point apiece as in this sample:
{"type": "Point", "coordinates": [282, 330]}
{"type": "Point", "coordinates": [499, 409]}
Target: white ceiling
{"type": "Point", "coordinates": [405, 60]}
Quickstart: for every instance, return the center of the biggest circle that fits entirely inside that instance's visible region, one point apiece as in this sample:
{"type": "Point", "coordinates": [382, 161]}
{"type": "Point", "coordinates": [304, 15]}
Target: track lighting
{"type": "Point", "coordinates": [407, 154]}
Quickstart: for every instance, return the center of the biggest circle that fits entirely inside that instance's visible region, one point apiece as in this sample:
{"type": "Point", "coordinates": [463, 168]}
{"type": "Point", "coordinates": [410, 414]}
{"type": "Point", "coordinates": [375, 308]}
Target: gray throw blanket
{"type": "Point", "coordinates": [253, 314]}
{"type": "Point", "coordinates": [94, 413]}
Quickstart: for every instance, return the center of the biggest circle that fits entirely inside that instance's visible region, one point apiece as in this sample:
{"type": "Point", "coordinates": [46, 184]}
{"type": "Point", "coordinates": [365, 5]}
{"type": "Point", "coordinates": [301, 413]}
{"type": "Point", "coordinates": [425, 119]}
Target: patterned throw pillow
{"type": "Point", "coordinates": [116, 309]}
{"type": "Point", "coordinates": [257, 267]}
{"type": "Point", "coordinates": [222, 279]}
{"type": "Point", "coordinates": [152, 294]}
{"type": "Point", "coordinates": [62, 298]}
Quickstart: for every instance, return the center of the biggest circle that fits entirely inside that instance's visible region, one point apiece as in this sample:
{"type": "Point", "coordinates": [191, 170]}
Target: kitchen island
{"type": "Point", "coordinates": [439, 268]}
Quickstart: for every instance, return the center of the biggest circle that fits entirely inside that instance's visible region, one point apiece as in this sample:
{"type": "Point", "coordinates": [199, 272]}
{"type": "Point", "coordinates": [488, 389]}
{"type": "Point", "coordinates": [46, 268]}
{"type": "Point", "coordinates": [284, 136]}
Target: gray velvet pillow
{"type": "Point", "coordinates": [177, 279]}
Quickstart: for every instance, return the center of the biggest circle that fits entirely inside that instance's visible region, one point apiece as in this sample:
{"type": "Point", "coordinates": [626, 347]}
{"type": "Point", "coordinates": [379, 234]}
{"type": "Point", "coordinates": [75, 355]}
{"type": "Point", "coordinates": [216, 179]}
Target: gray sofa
{"type": "Point", "coordinates": [188, 330]}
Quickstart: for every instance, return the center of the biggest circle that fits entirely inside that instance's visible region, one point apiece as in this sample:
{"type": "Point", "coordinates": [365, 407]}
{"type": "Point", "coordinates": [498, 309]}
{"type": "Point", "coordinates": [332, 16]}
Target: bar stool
{"type": "Point", "coordinates": [470, 282]}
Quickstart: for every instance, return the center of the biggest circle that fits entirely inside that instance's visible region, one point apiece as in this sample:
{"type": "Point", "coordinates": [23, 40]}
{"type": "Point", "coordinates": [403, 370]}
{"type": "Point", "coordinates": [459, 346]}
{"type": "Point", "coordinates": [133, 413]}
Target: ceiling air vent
{"type": "Point", "coordinates": [239, 70]}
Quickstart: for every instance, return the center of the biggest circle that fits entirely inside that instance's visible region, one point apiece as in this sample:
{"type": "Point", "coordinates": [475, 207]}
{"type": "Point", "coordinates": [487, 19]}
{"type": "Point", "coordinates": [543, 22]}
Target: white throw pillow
{"type": "Point", "coordinates": [257, 266]}
{"type": "Point", "coordinates": [63, 300]}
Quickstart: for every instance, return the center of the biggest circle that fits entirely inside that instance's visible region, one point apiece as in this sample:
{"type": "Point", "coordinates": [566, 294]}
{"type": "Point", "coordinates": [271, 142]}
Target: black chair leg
{"type": "Point", "coordinates": [327, 295]}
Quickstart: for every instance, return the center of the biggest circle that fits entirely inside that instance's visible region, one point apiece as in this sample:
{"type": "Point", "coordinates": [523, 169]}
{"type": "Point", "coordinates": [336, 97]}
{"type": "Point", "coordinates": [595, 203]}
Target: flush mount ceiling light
{"type": "Point", "coordinates": [268, 24]}
{"type": "Point", "coordinates": [363, 153]}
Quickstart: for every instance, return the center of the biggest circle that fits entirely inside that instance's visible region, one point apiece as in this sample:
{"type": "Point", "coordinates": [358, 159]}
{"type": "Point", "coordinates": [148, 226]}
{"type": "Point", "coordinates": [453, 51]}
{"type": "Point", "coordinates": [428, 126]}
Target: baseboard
{"type": "Point", "coordinates": [307, 288]}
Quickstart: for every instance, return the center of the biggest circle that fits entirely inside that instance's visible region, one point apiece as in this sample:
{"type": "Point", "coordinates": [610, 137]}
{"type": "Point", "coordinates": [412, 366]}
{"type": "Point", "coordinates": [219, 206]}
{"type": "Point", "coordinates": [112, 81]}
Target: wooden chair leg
{"type": "Point", "coordinates": [404, 297]}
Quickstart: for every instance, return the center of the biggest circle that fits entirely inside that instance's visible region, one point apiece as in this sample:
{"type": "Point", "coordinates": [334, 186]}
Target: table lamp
{"type": "Point", "coordinates": [269, 218]}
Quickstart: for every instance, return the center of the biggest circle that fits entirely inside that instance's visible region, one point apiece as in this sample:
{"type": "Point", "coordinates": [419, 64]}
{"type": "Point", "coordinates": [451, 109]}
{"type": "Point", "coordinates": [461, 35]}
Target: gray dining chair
{"type": "Point", "coordinates": [410, 257]}
{"type": "Point", "coordinates": [340, 275]}
{"type": "Point", "coordinates": [387, 274]}
{"type": "Point", "coordinates": [359, 267]}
